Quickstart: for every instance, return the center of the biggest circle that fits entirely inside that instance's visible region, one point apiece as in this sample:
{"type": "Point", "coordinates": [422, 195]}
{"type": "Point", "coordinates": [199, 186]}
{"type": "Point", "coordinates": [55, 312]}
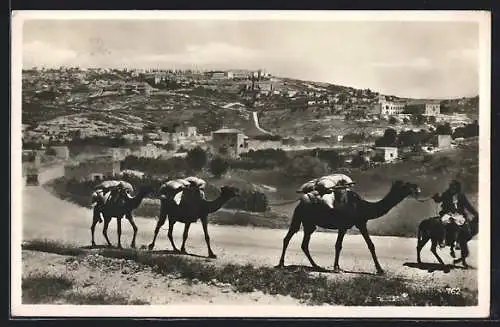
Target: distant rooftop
{"type": "Point", "coordinates": [227, 131]}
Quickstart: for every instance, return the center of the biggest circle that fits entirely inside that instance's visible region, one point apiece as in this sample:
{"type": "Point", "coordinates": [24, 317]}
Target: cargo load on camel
{"type": "Point", "coordinates": [182, 190]}
{"type": "Point", "coordinates": [330, 190]}
{"type": "Point", "coordinates": [111, 188]}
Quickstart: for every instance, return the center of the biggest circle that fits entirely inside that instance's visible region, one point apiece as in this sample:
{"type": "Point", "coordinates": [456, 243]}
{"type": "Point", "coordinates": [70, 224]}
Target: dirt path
{"type": "Point", "coordinates": [95, 278]}
{"type": "Point", "coordinates": [47, 217]}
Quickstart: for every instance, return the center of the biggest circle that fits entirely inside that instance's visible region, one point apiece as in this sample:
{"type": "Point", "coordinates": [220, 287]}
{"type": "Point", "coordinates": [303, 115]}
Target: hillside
{"type": "Point", "coordinates": [288, 107]}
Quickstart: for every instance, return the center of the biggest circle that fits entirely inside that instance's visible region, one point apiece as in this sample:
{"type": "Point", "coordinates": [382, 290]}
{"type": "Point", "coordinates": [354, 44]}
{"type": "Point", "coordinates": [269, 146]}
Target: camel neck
{"type": "Point", "coordinates": [379, 208]}
{"type": "Point", "coordinates": [136, 200]}
{"type": "Point", "coordinates": [216, 204]}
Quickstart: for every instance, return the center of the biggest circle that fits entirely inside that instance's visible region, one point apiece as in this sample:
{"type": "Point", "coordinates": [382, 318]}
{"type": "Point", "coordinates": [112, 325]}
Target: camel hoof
{"type": "Point", "coordinates": [380, 272]}
{"type": "Point", "coordinates": [337, 270]}
{"type": "Point", "coordinates": [183, 251]}
{"type": "Point", "coordinates": [119, 246]}
{"type": "Point", "coordinates": [212, 256]}
{"type": "Point", "coordinates": [446, 269]}
{"type": "Point", "coordinates": [456, 261]}
{"type": "Point", "coordinates": [452, 254]}
{"type": "Point", "coordinates": [93, 244]}
{"type": "Point", "coordinates": [132, 246]}
{"type": "Point", "coordinates": [280, 265]}
{"type": "Point", "coordinates": [151, 247]}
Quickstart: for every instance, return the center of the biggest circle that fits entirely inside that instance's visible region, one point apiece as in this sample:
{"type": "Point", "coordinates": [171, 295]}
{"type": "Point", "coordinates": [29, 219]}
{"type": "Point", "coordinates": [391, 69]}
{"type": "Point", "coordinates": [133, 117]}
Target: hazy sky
{"type": "Point", "coordinates": [413, 59]}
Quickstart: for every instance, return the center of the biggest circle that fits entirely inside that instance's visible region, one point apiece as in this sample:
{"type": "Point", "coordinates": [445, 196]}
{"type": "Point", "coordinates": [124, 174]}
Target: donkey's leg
{"type": "Point", "coordinates": [185, 236]}
{"type": "Point", "coordinates": [308, 230]}
{"type": "Point", "coordinates": [364, 231]}
{"type": "Point", "coordinates": [433, 250]}
{"type": "Point", "coordinates": [338, 248]}
{"type": "Point", "coordinates": [95, 219]}
{"type": "Point", "coordinates": [119, 231]}
{"type": "Point", "coordinates": [130, 219]}
{"type": "Point", "coordinates": [420, 244]}
{"type": "Point", "coordinates": [464, 253]}
{"type": "Point", "coordinates": [105, 229]}
{"type": "Point", "coordinates": [294, 228]}
{"type": "Point", "coordinates": [171, 223]}
{"type": "Point", "coordinates": [204, 223]}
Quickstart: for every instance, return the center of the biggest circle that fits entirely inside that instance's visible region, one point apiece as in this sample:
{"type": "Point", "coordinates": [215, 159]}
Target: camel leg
{"type": "Point", "coordinates": [338, 248]}
{"type": "Point", "coordinates": [294, 228]}
{"type": "Point", "coordinates": [204, 223]}
{"type": "Point", "coordinates": [119, 231]}
{"type": "Point", "coordinates": [130, 219]}
{"type": "Point", "coordinates": [171, 223]}
{"type": "Point", "coordinates": [184, 237]}
{"type": "Point", "coordinates": [305, 246]}
{"type": "Point", "coordinates": [371, 247]}
{"type": "Point", "coordinates": [159, 224]}
{"type": "Point", "coordinates": [433, 250]}
{"type": "Point", "coordinates": [420, 244]}
{"type": "Point", "coordinates": [105, 230]}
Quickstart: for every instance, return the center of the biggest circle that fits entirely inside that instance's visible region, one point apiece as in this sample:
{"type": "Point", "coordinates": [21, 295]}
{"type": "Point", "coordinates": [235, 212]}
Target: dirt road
{"type": "Point", "coordinates": [47, 217]}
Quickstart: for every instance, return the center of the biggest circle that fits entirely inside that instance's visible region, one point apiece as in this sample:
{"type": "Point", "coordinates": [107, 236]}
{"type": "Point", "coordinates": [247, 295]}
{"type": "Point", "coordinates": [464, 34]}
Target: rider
{"type": "Point", "coordinates": [454, 205]}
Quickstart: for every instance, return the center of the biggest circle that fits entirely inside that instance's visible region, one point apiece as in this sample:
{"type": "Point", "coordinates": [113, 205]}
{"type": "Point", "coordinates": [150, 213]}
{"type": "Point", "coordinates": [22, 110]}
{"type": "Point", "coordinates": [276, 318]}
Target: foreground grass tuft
{"type": "Point", "coordinates": [297, 283]}
{"type": "Point", "coordinates": [42, 289]}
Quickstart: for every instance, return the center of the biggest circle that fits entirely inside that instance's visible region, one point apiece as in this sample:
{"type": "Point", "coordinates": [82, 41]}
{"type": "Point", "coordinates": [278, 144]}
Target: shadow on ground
{"type": "Point", "coordinates": [324, 270]}
{"type": "Point", "coordinates": [431, 267]}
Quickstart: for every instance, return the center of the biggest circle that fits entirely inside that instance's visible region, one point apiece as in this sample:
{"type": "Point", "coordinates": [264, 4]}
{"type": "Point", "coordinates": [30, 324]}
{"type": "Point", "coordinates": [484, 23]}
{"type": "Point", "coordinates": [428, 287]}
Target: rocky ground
{"type": "Point", "coordinates": [94, 279]}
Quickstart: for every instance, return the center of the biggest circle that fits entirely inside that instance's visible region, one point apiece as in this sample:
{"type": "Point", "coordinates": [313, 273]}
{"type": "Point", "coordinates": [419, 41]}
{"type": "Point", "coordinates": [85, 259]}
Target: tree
{"type": "Point", "coordinates": [444, 129]}
{"type": "Point", "coordinates": [418, 119]}
{"type": "Point", "coordinates": [306, 167]}
{"type": "Point", "coordinates": [393, 120]}
{"type": "Point", "coordinates": [197, 158]}
{"type": "Point", "coordinates": [219, 166]}
{"type": "Point", "coordinates": [388, 139]}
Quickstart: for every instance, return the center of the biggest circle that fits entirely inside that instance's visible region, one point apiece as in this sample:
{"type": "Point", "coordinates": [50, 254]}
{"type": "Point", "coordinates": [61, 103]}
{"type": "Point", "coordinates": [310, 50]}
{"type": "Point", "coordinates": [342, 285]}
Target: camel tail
{"type": "Point", "coordinates": [296, 218]}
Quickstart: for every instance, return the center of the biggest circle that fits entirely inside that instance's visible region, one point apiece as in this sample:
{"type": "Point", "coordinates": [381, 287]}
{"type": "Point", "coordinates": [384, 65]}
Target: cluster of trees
{"type": "Point", "coordinates": [403, 139]}
{"type": "Point", "coordinates": [411, 138]}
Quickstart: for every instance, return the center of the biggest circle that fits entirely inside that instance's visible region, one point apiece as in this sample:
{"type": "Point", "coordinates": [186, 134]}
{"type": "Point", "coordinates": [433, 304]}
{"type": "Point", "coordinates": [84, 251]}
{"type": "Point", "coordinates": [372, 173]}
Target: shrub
{"type": "Point", "coordinates": [219, 166]}
{"type": "Point", "coordinates": [249, 201]}
{"type": "Point", "coordinates": [50, 152]}
{"type": "Point", "coordinates": [197, 158]}
{"type": "Point", "coordinates": [306, 166]}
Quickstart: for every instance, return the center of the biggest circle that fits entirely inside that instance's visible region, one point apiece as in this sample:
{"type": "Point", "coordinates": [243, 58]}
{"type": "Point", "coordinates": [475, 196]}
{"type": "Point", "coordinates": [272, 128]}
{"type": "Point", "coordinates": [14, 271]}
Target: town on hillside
{"type": "Point", "coordinates": [163, 114]}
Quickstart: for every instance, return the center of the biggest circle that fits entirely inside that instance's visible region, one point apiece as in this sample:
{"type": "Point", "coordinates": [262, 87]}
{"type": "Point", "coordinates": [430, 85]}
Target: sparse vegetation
{"type": "Point", "coordinates": [295, 282]}
{"type": "Point", "coordinates": [47, 289]}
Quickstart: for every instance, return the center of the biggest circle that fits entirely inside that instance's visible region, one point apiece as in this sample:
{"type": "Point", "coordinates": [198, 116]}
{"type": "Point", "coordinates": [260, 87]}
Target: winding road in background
{"type": "Point", "coordinates": [47, 217]}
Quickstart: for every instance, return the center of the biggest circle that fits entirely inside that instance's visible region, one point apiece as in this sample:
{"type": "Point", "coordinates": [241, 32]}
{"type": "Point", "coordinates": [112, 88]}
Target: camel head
{"type": "Point", "coordinates": [405, 189]}
{"type": "Point", "coordinates": [229, 192]}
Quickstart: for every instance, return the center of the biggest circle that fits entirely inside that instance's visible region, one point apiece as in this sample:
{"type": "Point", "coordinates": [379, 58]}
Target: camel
{"type": "Point", "coordinates": [432, 229]}
{"type": "Point", "coordinates": [122, 207]}
{"type": "Point", "coordinates": [189, 213]}
{"type": "Point", "coordinates": [357, 213]}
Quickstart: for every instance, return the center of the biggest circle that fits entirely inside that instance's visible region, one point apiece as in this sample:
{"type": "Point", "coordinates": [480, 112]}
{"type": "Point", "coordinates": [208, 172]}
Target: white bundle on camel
{"type": "Point", "coordinates": [103, 190]}
{"type": "Point", "coordinates": [320, 190]}
{"type": "Point", "coordinates": [176, 188]}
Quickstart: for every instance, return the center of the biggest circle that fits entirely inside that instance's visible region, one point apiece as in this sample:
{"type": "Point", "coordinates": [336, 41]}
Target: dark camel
{"type": "Point", "coordinates": [189, 213]}
{"type": "Point", "coordinates": [356, 213]}
{"type": "Point", "coordinates": [432, 229]}
{"type": "Point", "coordinates": [123, 206]}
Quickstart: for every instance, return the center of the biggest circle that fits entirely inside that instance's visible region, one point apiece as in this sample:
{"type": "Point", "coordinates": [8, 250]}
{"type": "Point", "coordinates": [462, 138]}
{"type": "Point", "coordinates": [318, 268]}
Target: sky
{"type": "Point", "coordinates": [405, 58]}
